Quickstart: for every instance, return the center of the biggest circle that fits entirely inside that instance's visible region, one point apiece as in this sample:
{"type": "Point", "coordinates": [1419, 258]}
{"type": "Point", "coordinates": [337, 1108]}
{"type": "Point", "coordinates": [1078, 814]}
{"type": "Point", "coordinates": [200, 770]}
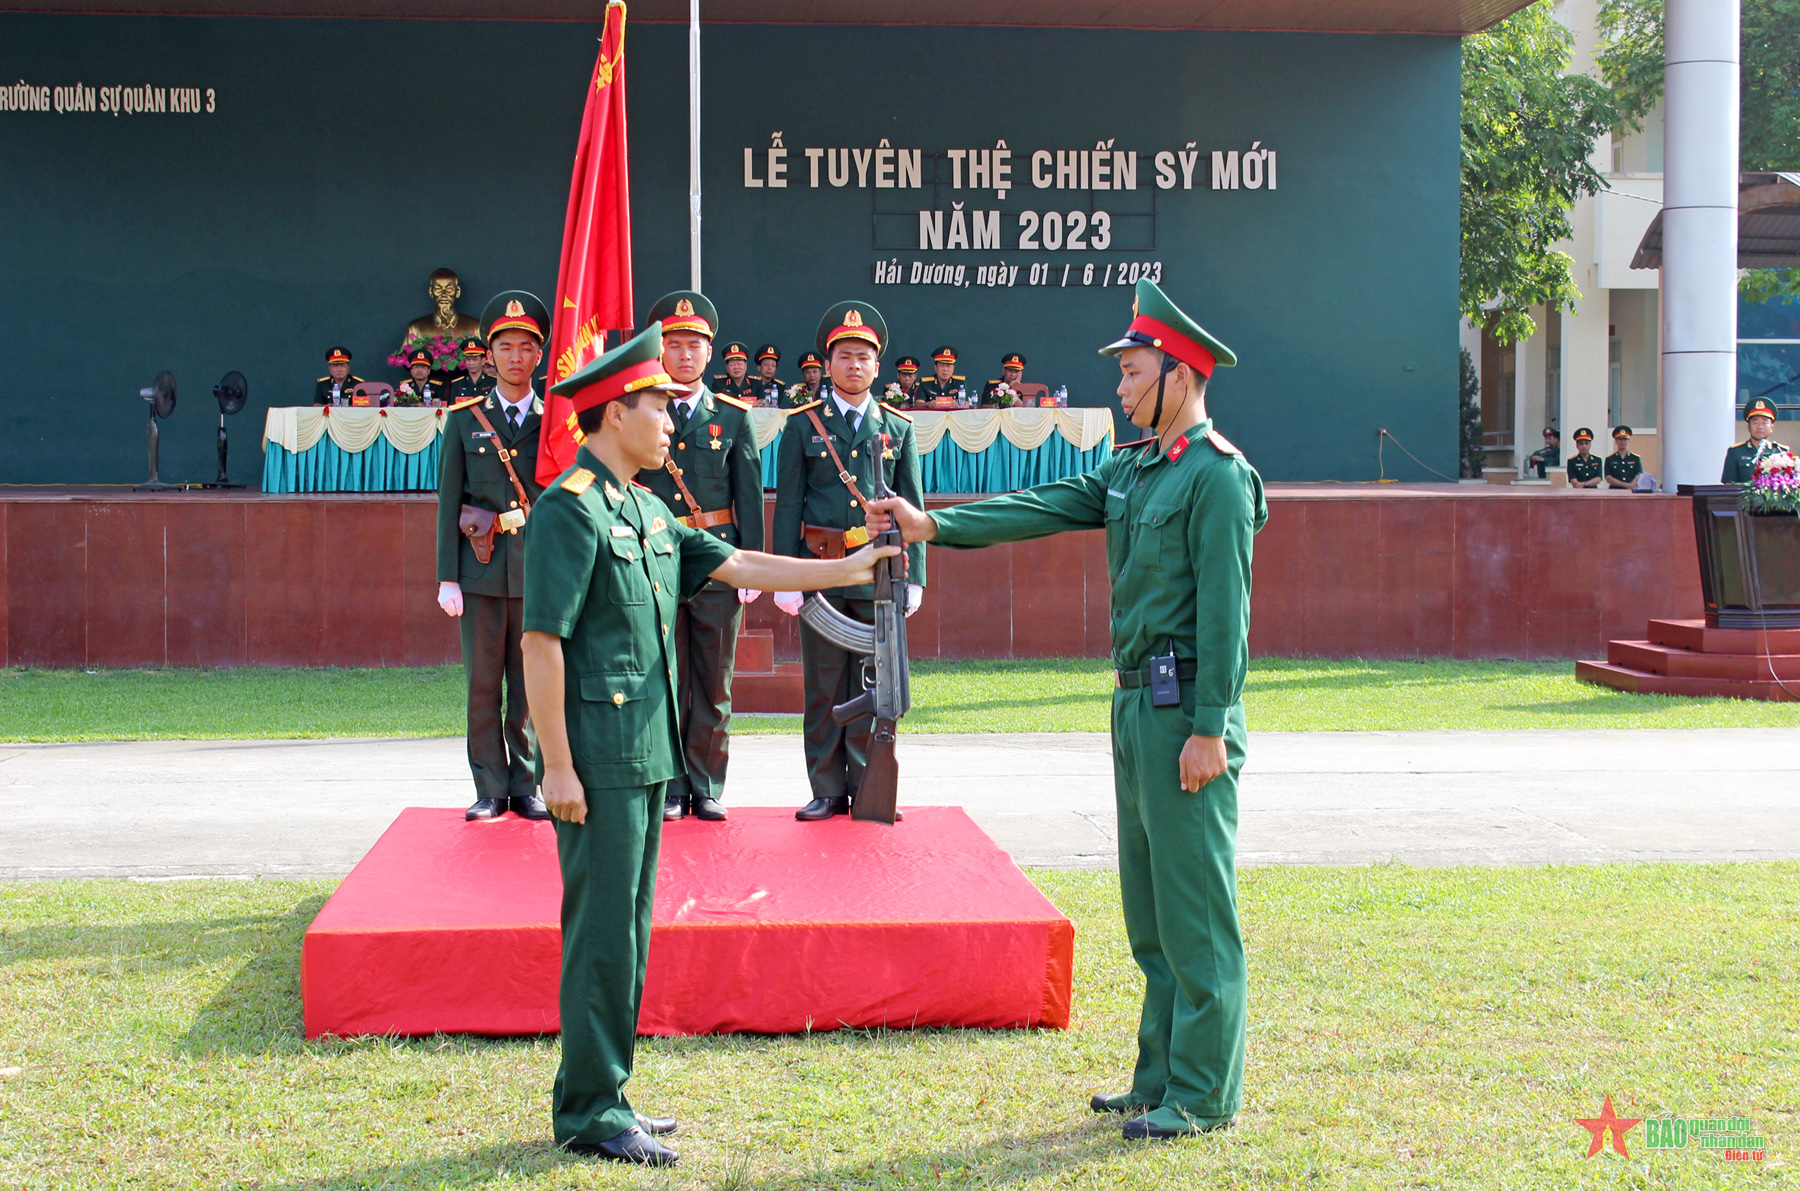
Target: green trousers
{"type": "Point", "coordinates": [836, 754]}
{"type": "Point", "coordinates": [1178, 882]}
{"type": "Point", "coordinates": [609, 884]}
{"type": "Point", "coordinates": [499, 747]}
{"type": "Point", "coordinates": [706, 633]}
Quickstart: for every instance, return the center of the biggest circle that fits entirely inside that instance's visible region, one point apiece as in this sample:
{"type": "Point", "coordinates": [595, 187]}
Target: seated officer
{"type": "Point", "coordinates": [1584, 469]}
{"type": "Point", "coordinates": [337, 382]}
{"type": "Point", "coordinates": [733, 384]}
{"type": "Point", "coordinates": [1012, 371]}
{"type": "Point", "coordinates": [812, 368]}
{"type": "Point", "coordinates": [1741, 460]}
{"type": "Point", "coordinates": [1622, 467]}
{"type": "Point", "coordinates": [418, 388]}
{"type": "Point", "coordinates": [1550, 456]}
{"type": "Point", "coordinates": [765, 385]}
{"type": "Point", "coordinates": [946, 383]}
{"type": "Point", "coordinates": [474, 381]}
{"type": "Point", "coordinates": [903, 392]}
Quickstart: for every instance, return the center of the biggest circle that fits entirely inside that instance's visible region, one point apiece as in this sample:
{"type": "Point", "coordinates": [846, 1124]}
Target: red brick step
{"type": "Point", "coordinates": [1686, 663]}
{"type": "Point", "coordinates": [1694, 635]}
{"type": "Point", "coordinates": [1643, 682]}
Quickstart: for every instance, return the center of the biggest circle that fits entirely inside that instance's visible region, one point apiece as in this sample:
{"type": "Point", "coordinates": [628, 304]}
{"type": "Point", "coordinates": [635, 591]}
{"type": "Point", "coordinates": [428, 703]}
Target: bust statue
{"type": "Point", "coordinates": [444, 288]}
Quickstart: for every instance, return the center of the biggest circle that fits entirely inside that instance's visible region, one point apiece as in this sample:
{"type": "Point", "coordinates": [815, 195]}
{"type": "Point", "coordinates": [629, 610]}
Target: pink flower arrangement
{"type": "Point", "coordinates": [445, 352]}
{"type": "Point", "coordinates": [1775, 486]}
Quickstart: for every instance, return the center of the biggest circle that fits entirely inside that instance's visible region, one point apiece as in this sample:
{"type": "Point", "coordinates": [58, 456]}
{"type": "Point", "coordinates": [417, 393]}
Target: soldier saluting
{"type": "Point", "coordinates": [712, 479]}
{"type": "Point", "coordinates": [1179, 513]}
{"type": "Point", "coordinates": [486, 486]}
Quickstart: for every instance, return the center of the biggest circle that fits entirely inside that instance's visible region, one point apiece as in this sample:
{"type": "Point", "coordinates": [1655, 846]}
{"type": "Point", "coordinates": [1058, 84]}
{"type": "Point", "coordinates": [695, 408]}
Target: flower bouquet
{"type": "Point", "coordinates": [895, 395]}
{"type": "Point", "coordinates": [1004, 396]}
{"type": "Point", "coordinates": [1774, 487]}
{"type": "Point", "coordinates": [445, 352]}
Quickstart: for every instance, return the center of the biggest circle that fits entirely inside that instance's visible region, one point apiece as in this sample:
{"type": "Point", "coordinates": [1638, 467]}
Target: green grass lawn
{"type": "Point", "coordinates": [1434, 1028]}
{"type": "Point", "coordinates": [1055, 695]}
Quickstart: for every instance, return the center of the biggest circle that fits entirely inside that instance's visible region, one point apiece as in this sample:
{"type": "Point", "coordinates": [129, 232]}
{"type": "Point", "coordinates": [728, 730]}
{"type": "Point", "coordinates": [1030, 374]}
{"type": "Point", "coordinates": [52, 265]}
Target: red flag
{"type": "Point", "coordinates": [593, 284]}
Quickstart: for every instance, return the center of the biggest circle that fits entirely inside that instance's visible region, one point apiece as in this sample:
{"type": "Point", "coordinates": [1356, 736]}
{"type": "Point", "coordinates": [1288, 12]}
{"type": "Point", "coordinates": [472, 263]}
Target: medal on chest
{"type": "Point", "coordinates": [714, 430]}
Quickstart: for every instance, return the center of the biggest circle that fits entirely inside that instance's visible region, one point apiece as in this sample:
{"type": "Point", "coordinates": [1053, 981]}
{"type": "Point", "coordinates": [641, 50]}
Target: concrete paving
{"type": "Point", "coordinates": [312, 807]}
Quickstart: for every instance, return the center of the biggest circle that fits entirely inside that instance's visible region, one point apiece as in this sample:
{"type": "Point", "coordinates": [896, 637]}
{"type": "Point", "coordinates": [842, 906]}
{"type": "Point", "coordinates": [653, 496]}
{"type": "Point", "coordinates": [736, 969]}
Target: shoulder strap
{"type": "Point", "coordinates": [848, 480]}
{"type": "Point", "coordinates": [505, 461]}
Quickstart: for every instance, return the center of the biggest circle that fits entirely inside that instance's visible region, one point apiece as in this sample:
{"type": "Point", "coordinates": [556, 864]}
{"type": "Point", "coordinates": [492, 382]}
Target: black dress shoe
{"type": "Point", "coordinates": [633, 1145]}
{"type": "Point", "coordinates": [655, 1126]}
{"type": "Point", "coordinates": [486, 808]}
{"type": "Point", "coordinates": [530, 807]}
{"type": "Point", "coordinates": [822, 808]}
{"type": "Point", "coordinates": [1120, 1102]}
{"type": "Point", "coordinates": [674, 807]}
{"type": "Point", "coordinates": [710, 809]}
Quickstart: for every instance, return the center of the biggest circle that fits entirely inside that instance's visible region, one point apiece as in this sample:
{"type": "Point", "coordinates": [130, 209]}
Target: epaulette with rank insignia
{"type": "Point", "coordinates": [578, 481]}
{"type": "Point", "coordinates": [466, 402]}
{"type": "Point", "coordinates": [898, 413]}
{"type": "Point", "coordinates": [800, 409]}
{"type": "Point", "coordinates": [323, 379]}
{"type": "Point", "coordinates": [743, 405]}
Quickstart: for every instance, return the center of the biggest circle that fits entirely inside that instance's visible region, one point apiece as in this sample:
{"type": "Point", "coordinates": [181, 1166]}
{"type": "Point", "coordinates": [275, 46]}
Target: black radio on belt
{"type": "Point", "coordinates": [1165, 679]}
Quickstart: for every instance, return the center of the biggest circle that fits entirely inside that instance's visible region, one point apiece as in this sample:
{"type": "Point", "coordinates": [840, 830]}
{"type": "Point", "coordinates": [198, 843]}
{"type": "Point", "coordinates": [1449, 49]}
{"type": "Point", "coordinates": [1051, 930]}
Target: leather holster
{"type": "Point", "coordinates": [478, 526]}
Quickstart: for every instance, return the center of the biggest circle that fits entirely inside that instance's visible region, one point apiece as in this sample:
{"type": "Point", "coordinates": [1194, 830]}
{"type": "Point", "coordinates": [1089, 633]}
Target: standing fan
{"type": "Point", "coordinates": [160, 395]}
{"type": "Point", "coordinates": [231, 392]}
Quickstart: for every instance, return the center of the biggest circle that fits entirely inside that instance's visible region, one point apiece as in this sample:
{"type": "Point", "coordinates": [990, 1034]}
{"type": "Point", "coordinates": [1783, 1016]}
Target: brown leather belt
{"type": "Point", "coordinates": [708, 520]}
{"type": "Point", "coordinates": [831, 543]}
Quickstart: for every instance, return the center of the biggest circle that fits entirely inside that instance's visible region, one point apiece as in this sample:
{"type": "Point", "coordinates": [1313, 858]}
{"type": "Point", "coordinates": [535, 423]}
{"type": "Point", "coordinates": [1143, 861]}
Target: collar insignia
{"type": "Point", "coordinates": [1179, 446]}
{"type": "Point", "coordinates": [613, 494]}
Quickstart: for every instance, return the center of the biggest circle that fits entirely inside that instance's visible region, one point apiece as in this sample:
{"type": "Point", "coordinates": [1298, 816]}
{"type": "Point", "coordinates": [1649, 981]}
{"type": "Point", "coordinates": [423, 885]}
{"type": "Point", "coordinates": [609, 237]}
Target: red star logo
{"type": "Point", "coordinates": [1608, 1122]}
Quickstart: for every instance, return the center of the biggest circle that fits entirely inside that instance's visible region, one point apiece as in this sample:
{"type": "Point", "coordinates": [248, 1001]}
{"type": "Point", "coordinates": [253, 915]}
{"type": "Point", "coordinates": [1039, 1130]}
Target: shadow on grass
{"type": "Point", "coordinates": [258, 1009]}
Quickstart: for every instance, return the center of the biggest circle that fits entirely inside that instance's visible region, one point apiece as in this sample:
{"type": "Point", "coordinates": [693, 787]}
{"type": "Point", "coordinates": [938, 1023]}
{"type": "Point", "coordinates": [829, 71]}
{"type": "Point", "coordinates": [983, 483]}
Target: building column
{"type": "Point", "coordinates": [1699, 233]}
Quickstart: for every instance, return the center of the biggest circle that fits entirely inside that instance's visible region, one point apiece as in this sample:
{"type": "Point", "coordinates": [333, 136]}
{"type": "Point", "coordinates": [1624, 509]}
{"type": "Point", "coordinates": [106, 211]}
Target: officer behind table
{"type": "Point", "coordinates": [904, 391]}
{"type": "Point", "coordinates": [1180, 514]}
{"type": "Point", "coordinates": [606, 566]}
{"type": "Point", "coordinates": [337, 382]}
{"type": "Point", "coordinates": [418, 388]}
{"type": "Point", "coordinates": [1622, 468]}
{"type": "Point", "coordinates": [1741, 460]}
{"type": "Point", "coordinates": [482, 436]}
{"type": "Point", "coordinates": [713, 482]}
{"type": "Point", "coordinates": [1584, 469]}
{"type": "Point", "coordinates": [946, 383]}
{"type": "Point", "coordinates": [1012, 371]}
{"type": "Point", "coordinates": [765, 384]}
{"type": "Point", "coordinates": [474, 379]}
{"type": "Point", "coordinates": [812, 372]}
{"type": "Point", "coordinates": [734, 383]}
{"type": "Point", "coordinates": [1549, 456]}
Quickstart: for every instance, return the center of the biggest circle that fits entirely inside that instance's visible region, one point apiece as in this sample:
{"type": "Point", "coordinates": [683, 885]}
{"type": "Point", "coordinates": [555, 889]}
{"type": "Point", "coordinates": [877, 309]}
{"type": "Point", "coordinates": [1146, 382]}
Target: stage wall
{"type": "Point", "coordinates": [330, 165]}
{"type": "Point", "coordinates": [98, 582]}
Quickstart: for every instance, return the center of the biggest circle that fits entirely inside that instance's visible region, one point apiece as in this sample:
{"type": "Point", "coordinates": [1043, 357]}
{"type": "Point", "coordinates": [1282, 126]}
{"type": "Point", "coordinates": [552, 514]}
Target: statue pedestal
{"type": "Point", "coordinates": [1749, 565]}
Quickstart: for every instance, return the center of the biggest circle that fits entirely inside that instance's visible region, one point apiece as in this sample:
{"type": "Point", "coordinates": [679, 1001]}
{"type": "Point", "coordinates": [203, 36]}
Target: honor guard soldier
{"type": "Point", "coordinates": [812, 372]}
{"type": "Point", "coordinates": [486, 486]}
{"type": "Point", "coordinates": [946, 382]}
{"type": "Point", "coordinates": [824, 477]}
{"type": "Point", "coordinates": [1012, 371]}
{"type": "Point", "coordinates": [765, 384]}
{"type": "Point", "coordinates": [419, 388]}
{"type": "Point", "coordinates": [1741, 460]}
{"type": "Point", "coordinates": [734, 383]}
{"type": "Point", "coordinates": [712, 479]}
{"type": "Point", "coordinates": [606, 566]}
{"type": "Point", "coordinates": [1180, 513]}
{"type": "Point", "coordinates": [1622, 467]}
{"type": "Point", "coordinates": [337, 382]}
{"type": "Point", "coordinates": [474, 380]}
{"type": "Point", "coordinates": [1583, 468]}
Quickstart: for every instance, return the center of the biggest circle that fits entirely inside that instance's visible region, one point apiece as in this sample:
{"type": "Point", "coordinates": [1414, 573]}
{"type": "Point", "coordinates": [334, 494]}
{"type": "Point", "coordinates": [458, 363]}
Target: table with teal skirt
{"type": "Point", "coordinates": [351, 449]}
{"type": "Point", "coordinates": [984, 450]}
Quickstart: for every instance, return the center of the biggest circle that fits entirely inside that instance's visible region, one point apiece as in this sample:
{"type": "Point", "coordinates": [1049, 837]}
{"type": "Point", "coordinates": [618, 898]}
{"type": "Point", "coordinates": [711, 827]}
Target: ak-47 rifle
{"type": "Point", "coordinates": [884, 642]}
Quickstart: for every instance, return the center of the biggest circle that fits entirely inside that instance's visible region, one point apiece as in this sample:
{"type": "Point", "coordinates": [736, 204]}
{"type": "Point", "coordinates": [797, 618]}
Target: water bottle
{"type": "Point", "coordinates": [1062, 396]}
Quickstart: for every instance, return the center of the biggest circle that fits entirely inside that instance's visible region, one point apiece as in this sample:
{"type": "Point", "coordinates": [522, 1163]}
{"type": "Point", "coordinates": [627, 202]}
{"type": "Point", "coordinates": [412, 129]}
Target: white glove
{"type": "Point", "coordinates": [747, 595]}
{"type": "Point", "coordinates": [915, 595]}
{"type": "Point", "coordinates": [450, 598]}
{"type": "Point", "coordinates": [789, 602]}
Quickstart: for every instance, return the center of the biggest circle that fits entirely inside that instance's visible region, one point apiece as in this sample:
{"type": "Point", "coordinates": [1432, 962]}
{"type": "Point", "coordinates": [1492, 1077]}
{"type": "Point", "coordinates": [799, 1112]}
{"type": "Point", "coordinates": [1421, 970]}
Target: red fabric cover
{"type": "Point", "coordinates": [762, 924]}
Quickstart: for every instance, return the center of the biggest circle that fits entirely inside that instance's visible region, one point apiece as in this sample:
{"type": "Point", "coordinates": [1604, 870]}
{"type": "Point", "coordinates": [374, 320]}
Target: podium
{"type": "Point", "coordinates": [1749, 565]}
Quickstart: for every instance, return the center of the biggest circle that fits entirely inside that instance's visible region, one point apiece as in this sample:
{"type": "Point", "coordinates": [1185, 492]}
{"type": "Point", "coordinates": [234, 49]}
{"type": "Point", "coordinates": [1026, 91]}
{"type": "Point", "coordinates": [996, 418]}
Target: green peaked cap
{"type": "Point", "coordinates": [699, 314]}
{"type": "Point", "coordinates": [1759, 405]}
{"type": "Point", "coordinates": [632, 367]}
{"type": "Point", "coordinates": [1154, 317]}
{"type": "Point", "coordinates": [852, 320]}
{"type": "Point", "coordinates": [515, 310]}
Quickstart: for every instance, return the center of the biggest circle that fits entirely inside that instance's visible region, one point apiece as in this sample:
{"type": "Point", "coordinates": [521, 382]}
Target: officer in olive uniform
{"type": "Point", "coordinates": [1622, 468]}
{"type": "Point", "coordinates": [946, 382]}
{"type": "Point", "coordinates": [1012, 370]}
{"type": "Point", "coordinates": [490, 447]}
{"type": "Point", "coordinates": [766, 386]}
{"type": "Point", "coordinates": [904, 391]}
{"type": "Point", "coordinates": [1740, 460]}
{"type": "Point", "coordinates": [419, 388]}
{"type": "Point", "coordinates": [474, 380]}
{"type": "Point", "coordinates": [1549, 456]}
{"type": "Point", "coordinates": [812, 372]}
{"type": "Point", "coordinates": [337, 382]}
{"type": "Point", "coordinates": [606, 566]}
{"type": "Point", "coordinates": [818, 513]}
{"type": "Point", "coordinates": [1583, 468]}
{"type": "Point", "coordinates": [734, 383]}
{"type": "Point", "coordinates": [1180, 514]}
{"type": "Point", "coordinates": [713, 480]}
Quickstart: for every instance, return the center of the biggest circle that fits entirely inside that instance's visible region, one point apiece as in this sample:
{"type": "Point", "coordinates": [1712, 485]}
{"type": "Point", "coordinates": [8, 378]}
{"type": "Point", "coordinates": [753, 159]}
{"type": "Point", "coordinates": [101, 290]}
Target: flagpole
{"type": "Point", "coordinates": [694, 144]}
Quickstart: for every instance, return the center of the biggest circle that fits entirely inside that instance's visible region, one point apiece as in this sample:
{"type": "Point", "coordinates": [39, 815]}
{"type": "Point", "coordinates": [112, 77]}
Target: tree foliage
{"type": "Point", "coordinates": [1528, 130]}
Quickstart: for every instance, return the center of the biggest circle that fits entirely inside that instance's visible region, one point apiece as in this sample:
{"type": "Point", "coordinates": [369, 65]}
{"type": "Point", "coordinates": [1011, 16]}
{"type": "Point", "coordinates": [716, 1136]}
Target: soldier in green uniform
{"type": "Point", "coordinates": [474, 380]}
{"type": "Point", "coordinates": [606, 567]}
{"type": "Point", "coordinates": [1549, 456]}
{"type": "Point", "coordinates": [904, 391]}
{"type": "Point", "coordinates": [734, 383]}
{"type": "Point", "coordinates": [946, 382]}
{"type": "Point", "coordinates": [1584, 469]}
{"type": "Point", "coordinates": [418, 388]}
{"type": "Point", "coordinates": [1740, 460]}
{"type": "Point", "coordinates": [712, 478]}
{"type": "Point", "coordinates": [1622, 467]}
{"type": "Point", "coordinates": [486, 486]}
{"type": "Point", "coordinates": [1180, 513]}
{"type": "Point", "coordinates": [823, 478]}
{"type": "Point", "coordinates": [765, 384]}
{"type": "Point", "coordinates": [812, 373]}
{"type": "Point", "coordinates": [1012, 371]}
{"type": "Point", "coordinates": [337, 382]}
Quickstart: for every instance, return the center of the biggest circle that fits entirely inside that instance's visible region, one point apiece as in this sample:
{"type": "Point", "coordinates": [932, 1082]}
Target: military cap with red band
{"type": "Point", "coordinates": [736, 351]}
{"type": "Point", "coordinates": [906, 364]}
{"type": "Point", "coordinates": [1159, 323]}
{"type": "Point", "coordinates": [851, 320]}
{"type": "Point", "coordinates": [337, 355]}
{"type": "Point", "coordinates": [1013, 360]}
{"type": "Point", "coordinates": [685, 310]}
{"type": "Point", "coordinates": [1583, 434]}
{"type": "Point", "coordinates": [809, 360]}
{"type": "Point", "coordinates": [632, 367]}
{"type": "Point", "coordinates": [472, 348]}
{"type": "Point", "coordinates": [1759, 407]}
{"type": "Point", "coordinates": [515, 310]}
{"type": "Point", "coordinates": [944, 355]}
{"type": "Point", "coordinates": [418, 356]}
{"type": "Point", "coordinates": [768, 351]}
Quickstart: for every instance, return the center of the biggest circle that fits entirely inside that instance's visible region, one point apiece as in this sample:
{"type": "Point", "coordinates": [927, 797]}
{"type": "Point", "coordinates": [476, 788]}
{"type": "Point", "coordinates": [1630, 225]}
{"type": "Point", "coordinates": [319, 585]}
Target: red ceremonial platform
{"type": "Point", "coordinates": [762, 924]}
